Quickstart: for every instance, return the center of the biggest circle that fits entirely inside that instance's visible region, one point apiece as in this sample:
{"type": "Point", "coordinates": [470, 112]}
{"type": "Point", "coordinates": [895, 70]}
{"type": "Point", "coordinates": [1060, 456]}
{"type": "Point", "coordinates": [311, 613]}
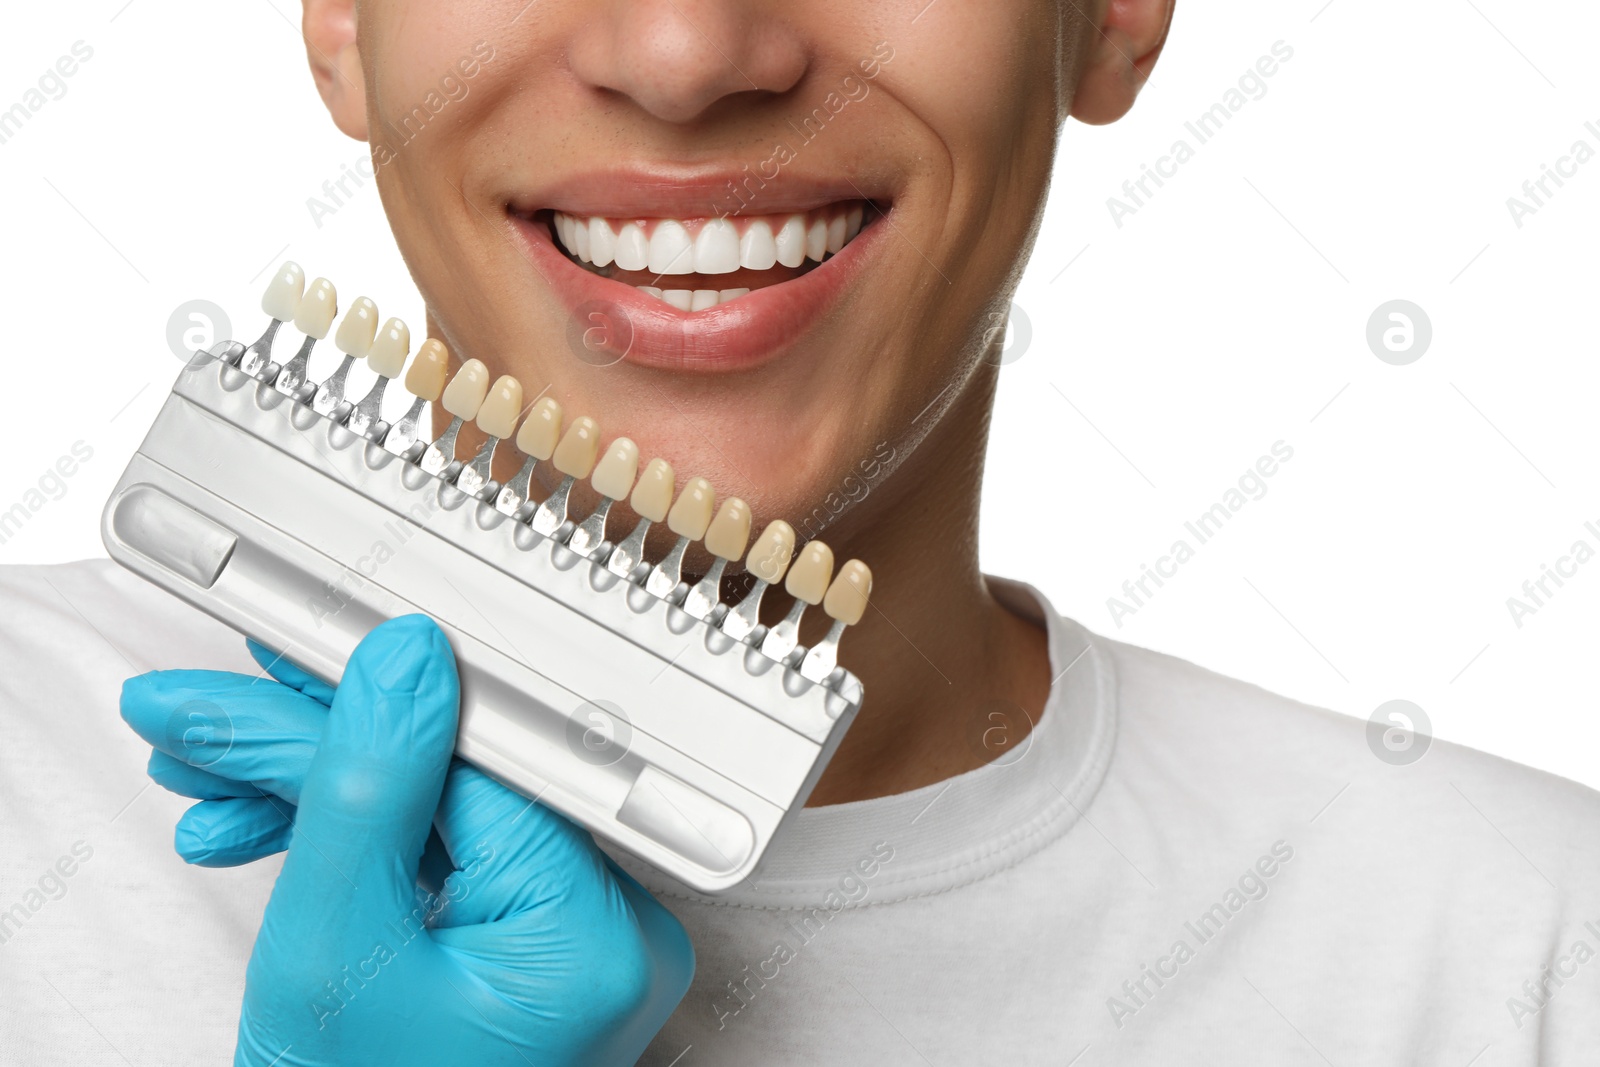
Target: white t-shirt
{"type": "Point", "coordinates": [1175, 868]}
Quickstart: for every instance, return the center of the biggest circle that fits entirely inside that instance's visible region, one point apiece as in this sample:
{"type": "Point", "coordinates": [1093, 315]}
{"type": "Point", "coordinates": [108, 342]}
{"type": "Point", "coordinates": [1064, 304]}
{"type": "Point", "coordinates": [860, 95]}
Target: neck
{"type": "Point", "coordinates": [936, 652]}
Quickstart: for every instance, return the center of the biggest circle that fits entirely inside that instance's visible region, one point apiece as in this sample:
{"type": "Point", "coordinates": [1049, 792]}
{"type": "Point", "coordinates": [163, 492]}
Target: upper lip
{"type": "Point", "coordinates": [692, 192]}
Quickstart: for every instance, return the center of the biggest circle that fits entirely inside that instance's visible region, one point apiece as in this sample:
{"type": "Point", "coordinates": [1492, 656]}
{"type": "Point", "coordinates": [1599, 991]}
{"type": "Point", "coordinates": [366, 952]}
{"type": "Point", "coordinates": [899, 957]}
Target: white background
{"type": "Point", "coordinates": [1165, 355]}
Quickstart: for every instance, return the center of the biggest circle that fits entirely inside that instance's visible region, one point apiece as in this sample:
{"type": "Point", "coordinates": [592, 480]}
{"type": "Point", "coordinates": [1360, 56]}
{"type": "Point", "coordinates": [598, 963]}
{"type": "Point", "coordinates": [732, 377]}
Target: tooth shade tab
{"type": "Point", "coordinates": [614, 474]}
{"type": "Point", "coordinates": [847, 597]}
{"type": "Point", "coordinates": [359, 328]}
{"type": "Point", "coordinates": [387, 356]}
{"type": "Point", "coordinates": [541, 430]}
{"type": "Point", "coordinates": [691, 514]}
{"type": "Point", "coordinates": [498, 415]}
{"type": "Point", "coordinates": [729, 532]}
{"type": "Point", "coordinates": [467, 390]}
{"type": "Point", "coordinates": [314, 317]}
{"type": "Point", "coordinates": [578, 449]}
{"type": "Point", "coordinates": [429, 370]}
{"type": "Point", "coordinates": [282, 297]}
{"type": "Point", "coordinates": [652, 496]}
{"type": "Point", "coordinates": [808, 578]}
{"type": "Point", "coordinates": [769, 556]}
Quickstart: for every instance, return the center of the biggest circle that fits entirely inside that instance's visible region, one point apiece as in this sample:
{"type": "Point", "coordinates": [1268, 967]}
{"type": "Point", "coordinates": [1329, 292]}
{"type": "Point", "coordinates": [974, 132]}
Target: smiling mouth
{"type": "Point", "coordinates": [702, 263]}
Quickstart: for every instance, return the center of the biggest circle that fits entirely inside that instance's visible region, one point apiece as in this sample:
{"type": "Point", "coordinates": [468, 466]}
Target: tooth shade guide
{"type": "Point", "coordinates": [318, 499]}
{"type": "Point", "coordinates": [713, 596]}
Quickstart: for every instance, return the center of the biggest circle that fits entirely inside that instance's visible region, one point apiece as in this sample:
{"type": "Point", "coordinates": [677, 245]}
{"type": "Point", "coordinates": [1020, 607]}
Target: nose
{"type": "Point", "coordinates": [676, 59]}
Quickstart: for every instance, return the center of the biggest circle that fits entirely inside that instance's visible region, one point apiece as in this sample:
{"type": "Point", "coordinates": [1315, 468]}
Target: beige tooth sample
{"type": "Point", "coordinates": [426, 377]}
{"type": "Point", "coordinates": [807, 582]}
{"type": "Point", "coordinates": [578, 449]}
{"type": "Point", "coordinates": [281, 302]}
{"type": "Point", "coordinates": [612, 478]}
{"type": "Point", "coordinates": [317, 309]}
{"type": "Point", "coordinates": [791, 241]}
{"type": "Point", "coordinates": [359, 328]}
{"type": "Point", "coordinates": [541, 429]}
{"type": "Point", "coordinates": [498, 415]}
{"type": "Point", "coordinates": [387, 356]}
{"type": "Point", "coordinates": [354, 338]}
{"type": "Point", "coordinates": [466, 392]}
{"type": "Point", "coordinates": [314, 318]}
{"type": "Point", "coordinates": [497, 418]}
{"type": "Point", "coordinates": [574, 457]}
{"type": "Point", "coordinates": [678, 298]}
{"type": "Point", "coordinates": [536, 440]}
{"type": "Point", "coordinates": [852, 224]}
{"type": "Point", "coordinates": [651, 499]}
{"type": "Point", "coordinates": [808, 578]}
{"type": "Point", "coordinates": [283, 294]}
{"type": "Point", "coordinates": [729, 532]}
{"type": "Point", "coordinates": [689, 517]}
{"type": "Point", "coordinates": [847, 597]}
{"type": "Point", "coordinates": [703, 300]}
{"type": "Point", "coordinates": [424, 381]}
{"type": "Point", "coordinates": [845, 603]}
{"type": "Point", "coordinates": [767, 562]}
{"type": "Point", "coordinates": [614, 474]}
{"type": "Point", "coordinates": [731, 294]}
{"type": "Point", "coordinates": [691, 514]}
{"type": "Point", "coordinates": [725, 539]}
{"type": "Point", "coordinates": [769, 556]}
{"type": "Point", "coordinates": [462, 398]}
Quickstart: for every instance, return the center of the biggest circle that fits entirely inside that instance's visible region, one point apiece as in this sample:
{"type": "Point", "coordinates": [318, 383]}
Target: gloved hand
{"type": "Point", "coordinates": [522, 944]}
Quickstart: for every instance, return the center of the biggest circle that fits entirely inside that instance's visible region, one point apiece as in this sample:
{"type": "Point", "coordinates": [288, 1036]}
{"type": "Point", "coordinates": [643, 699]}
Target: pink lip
{"type": "Point", "coordinates": [629, 325]}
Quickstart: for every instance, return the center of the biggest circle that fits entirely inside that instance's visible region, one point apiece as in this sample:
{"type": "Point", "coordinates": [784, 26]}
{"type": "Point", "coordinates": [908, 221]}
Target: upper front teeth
{"type": "Point", "coordinates": [712, 246]}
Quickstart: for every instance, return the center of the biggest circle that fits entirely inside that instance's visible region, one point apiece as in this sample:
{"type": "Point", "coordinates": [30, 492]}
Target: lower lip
{"type": "Point", "coordinates": [614, 322]}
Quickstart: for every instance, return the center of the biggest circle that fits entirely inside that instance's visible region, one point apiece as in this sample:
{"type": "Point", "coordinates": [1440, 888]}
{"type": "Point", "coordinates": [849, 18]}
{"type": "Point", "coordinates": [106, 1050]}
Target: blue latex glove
{"type": "Point", "coordinates": [522, 944]}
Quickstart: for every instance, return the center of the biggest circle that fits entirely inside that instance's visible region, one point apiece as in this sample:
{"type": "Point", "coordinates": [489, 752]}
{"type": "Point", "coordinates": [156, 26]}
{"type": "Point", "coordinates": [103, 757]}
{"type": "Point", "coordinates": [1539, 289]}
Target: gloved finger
{"type": "Point", "coordinates": [367, 802]}
{"type": "Point", "coordinates": [511, 852]}
{"type": "Point", "coordinates": [436, 865]}
{"type": "Point", "coordinates": [233, 831]}
{"type": "Point", "coordinates": [290, 674]}
{"type": "Point", "coordinates": [176, 776]}
{"type": "Point", "coordinates": [248, 729]}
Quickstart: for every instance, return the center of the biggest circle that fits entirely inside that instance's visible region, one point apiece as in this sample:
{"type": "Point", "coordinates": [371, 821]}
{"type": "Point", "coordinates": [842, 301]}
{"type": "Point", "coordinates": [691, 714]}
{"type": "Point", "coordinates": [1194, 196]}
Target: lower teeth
{"type": "Point", "coordinates": [692, 299]}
